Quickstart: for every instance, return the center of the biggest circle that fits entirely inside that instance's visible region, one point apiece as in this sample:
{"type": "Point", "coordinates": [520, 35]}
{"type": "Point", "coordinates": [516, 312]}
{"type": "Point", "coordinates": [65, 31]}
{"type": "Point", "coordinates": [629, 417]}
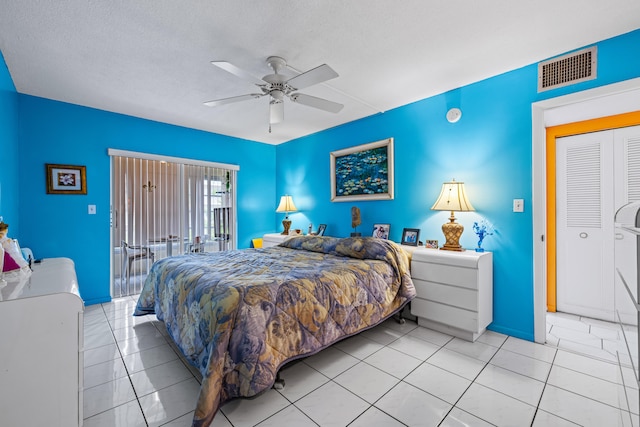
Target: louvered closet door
{"type": "Point", "coordinates": [584, 221]}
{"type": "Point", "coordinates": [597, 173]}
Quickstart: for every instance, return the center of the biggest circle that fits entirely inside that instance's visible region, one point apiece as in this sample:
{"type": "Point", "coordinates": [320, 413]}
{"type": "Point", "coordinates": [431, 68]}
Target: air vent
{"type": "Point", "coordinates": [569, 69]}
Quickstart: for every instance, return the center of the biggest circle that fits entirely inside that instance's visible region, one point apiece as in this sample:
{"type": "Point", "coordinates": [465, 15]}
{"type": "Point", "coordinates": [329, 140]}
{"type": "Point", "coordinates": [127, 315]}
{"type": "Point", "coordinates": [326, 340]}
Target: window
{"type": "Point", "coordinates": [163, 207]}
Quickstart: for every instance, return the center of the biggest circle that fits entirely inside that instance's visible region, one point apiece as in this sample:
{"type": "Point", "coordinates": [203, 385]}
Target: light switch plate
{"type": "Point", "coordinates": [518, 205]}
{"type": "Point", "coordinates": [92, 209]}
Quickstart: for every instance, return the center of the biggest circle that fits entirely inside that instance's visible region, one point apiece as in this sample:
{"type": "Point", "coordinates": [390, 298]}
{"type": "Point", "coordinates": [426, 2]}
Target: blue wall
{"type": "Point", "coordinates": [489, 149]}
{"type": "Point", "coordinates": [58, 225]}
{"type": "Point", "coordinates": [9, 149]}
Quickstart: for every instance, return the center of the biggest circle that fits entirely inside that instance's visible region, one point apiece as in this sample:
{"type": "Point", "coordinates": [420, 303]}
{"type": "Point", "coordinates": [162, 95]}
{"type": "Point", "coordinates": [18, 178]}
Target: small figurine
{"type": "Point", "coordinates": [4, 229]}
{"type": "Point", "coordinates": [355, 220]}
{"type": "Point", "coordinates": [482, 229]}
{"type": "Point", "coordinates": [12, 257]}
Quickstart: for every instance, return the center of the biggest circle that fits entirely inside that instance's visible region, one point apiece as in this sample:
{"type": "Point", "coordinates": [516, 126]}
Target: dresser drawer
{"type": "Point", "coordinates": [453, 296]}
{"type": "Point", "coordinates": [445, 314]}
{"type": "Point", "coordinates": [446, 274]}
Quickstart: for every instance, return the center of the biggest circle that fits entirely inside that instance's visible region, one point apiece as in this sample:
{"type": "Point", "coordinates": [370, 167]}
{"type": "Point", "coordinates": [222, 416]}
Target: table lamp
{"type": "Point", "coordinates": [452, 198]}
{"type": "Point", "coordinates": [286, 205]}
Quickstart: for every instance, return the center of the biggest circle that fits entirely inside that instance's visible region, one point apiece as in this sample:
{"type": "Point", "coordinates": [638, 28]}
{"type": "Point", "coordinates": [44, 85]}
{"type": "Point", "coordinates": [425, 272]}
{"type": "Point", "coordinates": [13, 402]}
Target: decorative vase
{"type": "Point", "coordinates": [480, 248]}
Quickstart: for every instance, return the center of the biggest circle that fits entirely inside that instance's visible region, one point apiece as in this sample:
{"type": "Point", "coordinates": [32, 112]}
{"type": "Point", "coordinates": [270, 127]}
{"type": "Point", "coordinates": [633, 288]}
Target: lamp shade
{"type": "Point", "coordinates": [286, 205]}
{"type": "Point", "coordinates": [452, 198]}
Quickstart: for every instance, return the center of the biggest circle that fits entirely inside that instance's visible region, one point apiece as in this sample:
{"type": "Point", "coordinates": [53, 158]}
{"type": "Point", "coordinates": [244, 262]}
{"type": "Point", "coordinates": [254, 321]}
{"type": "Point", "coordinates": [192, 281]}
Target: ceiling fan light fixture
{"type": "Point", "coordinates": [277, 95]}
{"type": "Point", "coordinates": [276, 111]}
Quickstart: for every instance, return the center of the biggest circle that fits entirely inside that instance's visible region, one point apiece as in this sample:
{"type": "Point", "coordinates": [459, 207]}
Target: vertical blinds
{"type": "Point", "coordinates": [163, 208]}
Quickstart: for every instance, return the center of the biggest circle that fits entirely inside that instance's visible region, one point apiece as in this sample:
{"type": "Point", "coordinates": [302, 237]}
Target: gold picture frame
{"type": "Point", "coordinates": [66, 179]}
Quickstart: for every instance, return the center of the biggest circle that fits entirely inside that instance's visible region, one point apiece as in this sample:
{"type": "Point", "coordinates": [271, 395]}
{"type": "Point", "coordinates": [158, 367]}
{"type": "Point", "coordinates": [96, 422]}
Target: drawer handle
{"type": "Point", "coordinates": [619, 236]}
{"type": "Point", "coordinates": [583, 235]}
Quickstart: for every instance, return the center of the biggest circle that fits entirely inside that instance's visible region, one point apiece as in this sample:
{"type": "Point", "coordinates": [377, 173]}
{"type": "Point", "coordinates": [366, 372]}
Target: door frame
{"type": "Point", "coordinates": [554, 132]}
{"type": "Point", "coordinates": [568, 113]}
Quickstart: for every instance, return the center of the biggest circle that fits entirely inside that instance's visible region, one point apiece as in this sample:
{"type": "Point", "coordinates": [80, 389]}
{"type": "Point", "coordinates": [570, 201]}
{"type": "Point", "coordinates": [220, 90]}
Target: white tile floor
{"type": "Point", "coordinates": [392, 375]}
{"type": "Point", "coordinates": [591, 337]}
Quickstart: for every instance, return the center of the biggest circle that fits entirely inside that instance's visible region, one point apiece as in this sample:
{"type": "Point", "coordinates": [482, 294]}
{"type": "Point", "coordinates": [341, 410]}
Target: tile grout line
{"type": "Point", "coordinates": [126, 368]}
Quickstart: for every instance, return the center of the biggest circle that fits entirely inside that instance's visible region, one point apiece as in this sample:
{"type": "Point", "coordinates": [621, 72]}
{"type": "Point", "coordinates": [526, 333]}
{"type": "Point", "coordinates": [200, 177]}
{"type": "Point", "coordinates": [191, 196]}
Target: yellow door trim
{"type": "Point", "coordinates": [553, 132]}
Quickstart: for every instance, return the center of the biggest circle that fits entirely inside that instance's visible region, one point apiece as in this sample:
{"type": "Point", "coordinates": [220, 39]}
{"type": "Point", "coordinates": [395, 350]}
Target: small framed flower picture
{"type": "Point", "coordinates": [431, 244]}
{"type": "Point", "coordinates": [381, 231]}
{"type": "Point", "coordinates": [410, 236]}
{"type": "Point", "coordinates": [66, 179]}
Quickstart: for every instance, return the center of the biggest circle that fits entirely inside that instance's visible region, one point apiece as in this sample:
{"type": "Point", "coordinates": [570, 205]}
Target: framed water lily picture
{"type": "Point", "coordinates": [66, 179]}
{"type": "Point", "coordinates": [364, 172]}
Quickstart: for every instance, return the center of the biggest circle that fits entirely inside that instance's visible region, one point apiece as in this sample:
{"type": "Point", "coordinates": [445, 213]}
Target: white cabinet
{"type": "Point", "coordinates": [41, 363]}
{"type": "Point", "coordinates": [454, 291]}
{"type": "Point", "coordinates": [274, 239]}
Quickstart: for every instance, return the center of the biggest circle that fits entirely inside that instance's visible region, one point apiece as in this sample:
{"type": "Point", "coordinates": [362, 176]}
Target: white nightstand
{"type": "Point", "coordinates": [274, 239]}
{"type": "Point", "coordinates": [454, 291]}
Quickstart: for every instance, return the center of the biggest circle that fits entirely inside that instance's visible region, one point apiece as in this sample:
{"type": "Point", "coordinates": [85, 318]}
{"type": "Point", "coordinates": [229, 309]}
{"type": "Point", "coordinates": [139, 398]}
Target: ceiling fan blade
{"type": "Point", "coordinates": [312, 101]}
{"type": "Point", "coordinates": [230, 68]}
{"type": "Point", "coordinates": [232, 99]}
{"type": "Point", "coordinates": [317, 75]}
{"type": "Point", "coordinates": [276, 112]}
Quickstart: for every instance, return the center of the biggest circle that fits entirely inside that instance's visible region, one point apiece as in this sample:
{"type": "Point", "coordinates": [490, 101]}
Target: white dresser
{"type": "Point", "coordinates": [41, 336]}
{"type": "Point", "coordinates": [454, 291]}
{"type": "Point", "coordinates": [274, 239]}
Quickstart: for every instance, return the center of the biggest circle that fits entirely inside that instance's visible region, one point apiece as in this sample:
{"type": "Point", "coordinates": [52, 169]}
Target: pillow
{"type": "Point", "coordinates": [322, 244]}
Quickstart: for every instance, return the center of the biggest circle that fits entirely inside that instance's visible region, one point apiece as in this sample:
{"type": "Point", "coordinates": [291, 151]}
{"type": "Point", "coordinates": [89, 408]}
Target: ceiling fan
{"type": "Point", "coordinates": [277, 86]}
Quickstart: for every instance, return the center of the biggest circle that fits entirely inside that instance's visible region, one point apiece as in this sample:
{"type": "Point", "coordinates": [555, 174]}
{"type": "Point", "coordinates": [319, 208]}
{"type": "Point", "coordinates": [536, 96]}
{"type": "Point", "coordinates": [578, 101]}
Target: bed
{"type": "Point", "coordinates": [238, 316]}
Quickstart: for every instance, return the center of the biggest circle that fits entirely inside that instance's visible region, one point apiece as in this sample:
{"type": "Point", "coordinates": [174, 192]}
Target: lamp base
{"type": "Point", "coordinates": [452, 232]}
{"type": "Point", "coordinates": [286, 223]}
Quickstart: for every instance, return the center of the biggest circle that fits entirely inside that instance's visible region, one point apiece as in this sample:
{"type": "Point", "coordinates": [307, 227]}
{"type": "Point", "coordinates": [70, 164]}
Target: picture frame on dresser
{"type": "Point", "coordinates": [321, 229]}
{"type": "Point", "coordinates": [381, 231]}
{"type": "Point", "coordinates": [431, 244]}
{"type": "Point", "coordinates": [410, 236]}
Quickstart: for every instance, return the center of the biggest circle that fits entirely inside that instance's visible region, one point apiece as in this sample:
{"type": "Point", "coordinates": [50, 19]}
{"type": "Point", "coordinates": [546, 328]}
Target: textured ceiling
{"type": "Point", "coordinates": [151, 58]}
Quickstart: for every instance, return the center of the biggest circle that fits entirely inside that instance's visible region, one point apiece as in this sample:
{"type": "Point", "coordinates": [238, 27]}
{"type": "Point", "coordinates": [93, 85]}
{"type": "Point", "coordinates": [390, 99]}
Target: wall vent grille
{"type": "Point", "coordinates": [568, 69]}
